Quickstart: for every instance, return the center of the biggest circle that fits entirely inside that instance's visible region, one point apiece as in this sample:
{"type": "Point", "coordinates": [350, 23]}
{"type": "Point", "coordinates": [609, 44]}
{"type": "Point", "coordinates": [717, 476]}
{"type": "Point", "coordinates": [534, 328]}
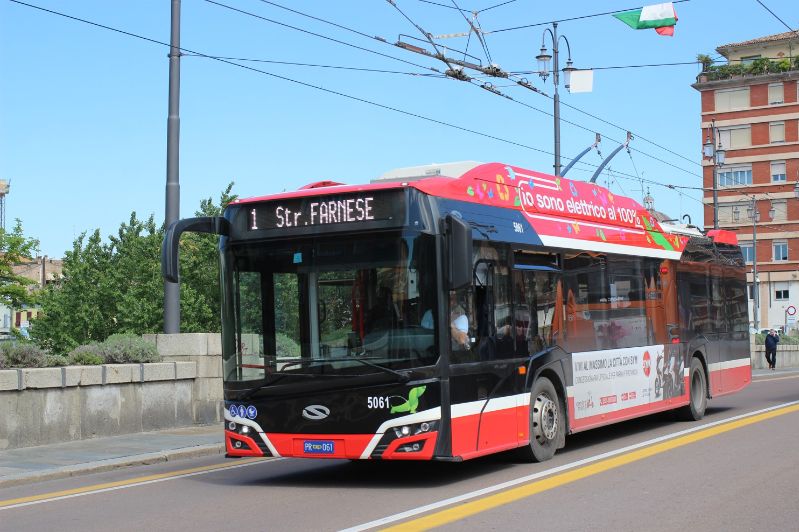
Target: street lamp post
{"type": "Point", "coordinates": [543, 70]}
{"type": "Point", "coordinates": [717, 154]}
{"type": "Point", "coordinates": [754, 215]}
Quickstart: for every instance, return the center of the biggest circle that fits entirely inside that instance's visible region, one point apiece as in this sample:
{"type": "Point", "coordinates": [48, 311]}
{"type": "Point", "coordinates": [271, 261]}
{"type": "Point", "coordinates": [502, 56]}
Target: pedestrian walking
{"type": "Point", "coordinates": [772, 339]}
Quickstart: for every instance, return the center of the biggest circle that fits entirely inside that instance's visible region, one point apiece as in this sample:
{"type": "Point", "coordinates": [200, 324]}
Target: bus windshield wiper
{"type": "Point", "coordinates": [402, 377]}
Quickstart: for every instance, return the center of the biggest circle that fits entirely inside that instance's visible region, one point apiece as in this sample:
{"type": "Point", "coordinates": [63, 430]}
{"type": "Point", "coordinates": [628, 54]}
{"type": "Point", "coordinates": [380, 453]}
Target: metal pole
{"type": "Point", "coordinates": [715, 178]}
{"type": "Point", "coordinates": [556, 79]}
{"type": "Point", "coordinates": [172, 290]}
{"type": "Point", "coordinates": [756, 298]}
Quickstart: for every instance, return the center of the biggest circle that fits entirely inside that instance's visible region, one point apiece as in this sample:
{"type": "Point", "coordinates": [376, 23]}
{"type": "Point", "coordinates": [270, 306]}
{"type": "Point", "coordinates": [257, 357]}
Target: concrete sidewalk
{"type": "Point", "coordinates": [47, 462]}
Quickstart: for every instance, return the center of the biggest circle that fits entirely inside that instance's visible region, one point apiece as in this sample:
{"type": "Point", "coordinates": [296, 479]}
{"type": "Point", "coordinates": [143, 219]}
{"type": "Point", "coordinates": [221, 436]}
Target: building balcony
{"type": "Point", "coordinates": [755, 69]}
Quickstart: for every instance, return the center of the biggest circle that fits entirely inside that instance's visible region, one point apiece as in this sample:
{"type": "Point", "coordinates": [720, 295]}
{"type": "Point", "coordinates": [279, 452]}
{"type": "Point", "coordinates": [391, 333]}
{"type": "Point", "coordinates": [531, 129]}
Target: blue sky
{"type": "Point", "coordinates": [83, 110]}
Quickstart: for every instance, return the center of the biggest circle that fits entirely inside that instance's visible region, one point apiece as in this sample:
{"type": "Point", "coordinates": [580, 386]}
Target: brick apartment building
{"type": "Point", "coordinates": [41, 270]}
{"type": "Point", "coordinates": [754, 105]}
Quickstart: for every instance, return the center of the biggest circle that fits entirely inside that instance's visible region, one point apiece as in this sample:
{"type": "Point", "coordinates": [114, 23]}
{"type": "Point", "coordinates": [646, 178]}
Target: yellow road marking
{"type": "Point", "coordinates": [122, 483]}
{"type": "Point", "coordinates": [493, 501]}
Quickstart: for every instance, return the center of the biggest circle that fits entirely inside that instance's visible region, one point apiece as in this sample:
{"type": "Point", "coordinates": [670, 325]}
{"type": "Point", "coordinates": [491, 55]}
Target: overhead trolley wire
{"type": "Point", "coordinates": [284, 78]}
{"type": "Point", "coordinates": [775, 16]}
{"type": "Point", "coordinates": [336, 67]}
{"type": "Point", "coordinates": [310, 85]}
{"type": "Point", "coordinates": [427, 36]}
{"type": "Point", "coordinates": [575, 18]}
{"type": "Point", "coordinates": [265, 19]}
{"type": "Point", "coordinates": [468, 10]}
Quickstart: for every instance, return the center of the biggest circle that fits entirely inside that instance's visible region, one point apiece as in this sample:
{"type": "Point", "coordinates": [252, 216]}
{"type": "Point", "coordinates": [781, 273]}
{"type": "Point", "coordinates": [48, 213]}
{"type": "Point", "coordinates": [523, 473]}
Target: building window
{"type": "Point", "coordinates": [732, 213]}
{"type": "Point", "coordinates": [781, 290]}
{"type": "Point", "coordinates": [776, 132]}
{"type": "Point", "coordinates": [735, 138]}
{"type": "Point", "coordinates": [780, 208]}
{"type": "Point", "coordinates": [748, 252]}
{"type": "Point", "coordinates": [749, 59]}
{"type": "Point", "coordinates": [776, 94]}
{"type": "Point", "coordinates": [735, 176]}
{"type": "Point", "coordinates": [730, 99]}
{"type": "Point", "coordinates": [780, 248]}
{"type": "Point", "coordinates": [778, 171]}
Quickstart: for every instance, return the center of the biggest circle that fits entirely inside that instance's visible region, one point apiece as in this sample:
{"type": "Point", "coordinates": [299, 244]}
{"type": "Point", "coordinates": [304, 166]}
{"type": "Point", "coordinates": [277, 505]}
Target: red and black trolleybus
{"type": "Point", "coordinates": [449, 317]}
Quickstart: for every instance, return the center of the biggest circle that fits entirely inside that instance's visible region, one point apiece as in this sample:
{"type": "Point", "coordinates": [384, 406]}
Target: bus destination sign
{"type": "Point", "coordinates": [378, 206]}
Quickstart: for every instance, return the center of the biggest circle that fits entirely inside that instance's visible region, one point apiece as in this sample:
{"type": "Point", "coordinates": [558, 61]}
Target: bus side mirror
{"type": "Point", "coordinates": [169, 250]}
{"type": "Point", "coordinates": [460, 246]}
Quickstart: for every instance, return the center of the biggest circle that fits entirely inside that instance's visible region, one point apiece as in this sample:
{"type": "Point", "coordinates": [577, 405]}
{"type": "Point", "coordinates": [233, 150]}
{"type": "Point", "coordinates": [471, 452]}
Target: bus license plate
{"type": "Point", "coordinates": [319, 447]}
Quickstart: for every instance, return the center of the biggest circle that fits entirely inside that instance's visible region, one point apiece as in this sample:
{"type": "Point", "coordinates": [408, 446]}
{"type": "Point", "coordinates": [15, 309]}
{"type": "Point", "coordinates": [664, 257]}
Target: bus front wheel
{"type": "Point", "coordinates": [546, 421]}
{"type": "Point", "coordinates": [697, 383]}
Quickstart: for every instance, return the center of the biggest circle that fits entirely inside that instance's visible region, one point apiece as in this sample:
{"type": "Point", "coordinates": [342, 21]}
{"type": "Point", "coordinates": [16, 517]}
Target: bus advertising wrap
{"type": "Point", "coordinates": [614, 379]}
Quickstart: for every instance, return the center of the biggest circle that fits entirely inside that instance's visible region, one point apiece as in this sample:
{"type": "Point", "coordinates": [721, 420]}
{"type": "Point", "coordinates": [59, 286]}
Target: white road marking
{"type": "Point", "coordinates": [523, 480]}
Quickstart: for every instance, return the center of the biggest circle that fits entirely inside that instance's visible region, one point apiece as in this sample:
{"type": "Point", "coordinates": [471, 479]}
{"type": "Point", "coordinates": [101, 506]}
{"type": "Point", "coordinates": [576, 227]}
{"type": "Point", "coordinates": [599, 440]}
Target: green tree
{"type": "Point", "coordinates": [199, 272]}
{"type": "Point", "coordinates": [117, 287]}
{"type": "Point", "coordinates": [81, 307]}
{"type": "Point", "coordinates": [15, 248]}
{"type": "Point", "coordinates": [136, 275]}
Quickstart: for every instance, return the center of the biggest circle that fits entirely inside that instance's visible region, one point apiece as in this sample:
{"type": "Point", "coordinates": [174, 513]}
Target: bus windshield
{"type": "Point", "coordinates": [331, 306]}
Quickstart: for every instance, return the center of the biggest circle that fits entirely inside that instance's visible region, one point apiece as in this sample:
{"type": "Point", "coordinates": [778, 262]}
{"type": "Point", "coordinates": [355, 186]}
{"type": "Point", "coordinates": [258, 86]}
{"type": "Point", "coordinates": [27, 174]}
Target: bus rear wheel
{"type": "Point", "coordinates": [697, 383]}
{"type": "Point", "coordinates": [546, 422]}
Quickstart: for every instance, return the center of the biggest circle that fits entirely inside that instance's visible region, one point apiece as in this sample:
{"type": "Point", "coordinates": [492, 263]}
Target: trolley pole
{"type": "Point", "coordinates": [172, 290]}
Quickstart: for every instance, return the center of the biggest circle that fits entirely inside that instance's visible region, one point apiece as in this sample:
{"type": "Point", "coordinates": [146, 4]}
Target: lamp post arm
{"type": "Point", "coordinates": [556, 96]}
{"type": "Point", "coordinates": [568, 47]}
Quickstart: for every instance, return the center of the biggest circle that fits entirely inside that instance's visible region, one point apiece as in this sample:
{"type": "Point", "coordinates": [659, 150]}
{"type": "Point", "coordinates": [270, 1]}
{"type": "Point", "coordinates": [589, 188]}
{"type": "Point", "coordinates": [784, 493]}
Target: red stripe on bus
{"type": "Point", "coordinates": [249, 448]}
{"type": "Point", "coordinates": [427, 442]}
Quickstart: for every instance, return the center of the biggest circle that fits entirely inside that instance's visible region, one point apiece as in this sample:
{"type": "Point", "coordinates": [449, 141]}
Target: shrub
{"type": "Point", "coordinates": [128, 349]}
{"type": "Point", "coordinates": [2, 360]}
{"type": "Point", "coordinates": [286, 347]}
{"type": "Point", "coordinates": [54, 361]}
{"type": "Point", "coordinates": [24, 355]}
{"type": "Point", "coordinates": [87, 355]}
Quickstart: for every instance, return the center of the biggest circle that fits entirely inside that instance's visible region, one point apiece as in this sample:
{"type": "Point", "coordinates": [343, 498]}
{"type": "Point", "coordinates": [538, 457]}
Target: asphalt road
{"type": "Point", "coordinates": [735, 470]}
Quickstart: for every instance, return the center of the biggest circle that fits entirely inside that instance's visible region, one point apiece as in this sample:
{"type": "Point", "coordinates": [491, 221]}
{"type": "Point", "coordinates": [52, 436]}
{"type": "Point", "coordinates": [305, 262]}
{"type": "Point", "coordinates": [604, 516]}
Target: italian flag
{"type": "Point", "coordinates": [661, 17]}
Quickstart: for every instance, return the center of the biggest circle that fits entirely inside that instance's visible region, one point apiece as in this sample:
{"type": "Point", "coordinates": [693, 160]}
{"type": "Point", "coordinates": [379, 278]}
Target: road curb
{"type": "Point", "coordinates": [102, 466]}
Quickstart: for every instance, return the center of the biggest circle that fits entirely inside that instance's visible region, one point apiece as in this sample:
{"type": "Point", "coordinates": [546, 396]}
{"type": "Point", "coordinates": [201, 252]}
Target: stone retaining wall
{"type": "Point", "coordinates": [39, 406]}
{"type": "Point", "coordinates": [51, 405]}
{"type": "Point", "coordinates": [787, 356]}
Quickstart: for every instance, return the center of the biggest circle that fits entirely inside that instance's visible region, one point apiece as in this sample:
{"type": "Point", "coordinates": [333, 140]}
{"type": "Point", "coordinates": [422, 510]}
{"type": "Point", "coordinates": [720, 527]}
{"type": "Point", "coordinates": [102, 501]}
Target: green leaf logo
{"type": "Point", "coordinates": [412, 403]}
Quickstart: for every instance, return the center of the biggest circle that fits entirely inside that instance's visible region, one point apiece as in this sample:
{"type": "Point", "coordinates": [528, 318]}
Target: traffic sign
{"type": "Point", "coordinates": [791, 310]}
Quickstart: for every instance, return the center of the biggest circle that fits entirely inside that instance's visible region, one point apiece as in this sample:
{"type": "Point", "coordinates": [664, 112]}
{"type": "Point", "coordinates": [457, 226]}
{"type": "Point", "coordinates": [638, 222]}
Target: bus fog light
{"type": "Point", "coordinates": [237, 445]}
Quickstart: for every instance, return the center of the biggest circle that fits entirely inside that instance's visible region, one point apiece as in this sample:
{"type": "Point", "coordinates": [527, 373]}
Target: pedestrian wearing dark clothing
{"type": "Point", "coordinates": [772, 339]}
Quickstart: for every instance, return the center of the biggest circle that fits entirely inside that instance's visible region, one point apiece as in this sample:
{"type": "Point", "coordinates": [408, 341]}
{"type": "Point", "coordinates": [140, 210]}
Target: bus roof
{"type": "Point", "coordinates": [564, 213]}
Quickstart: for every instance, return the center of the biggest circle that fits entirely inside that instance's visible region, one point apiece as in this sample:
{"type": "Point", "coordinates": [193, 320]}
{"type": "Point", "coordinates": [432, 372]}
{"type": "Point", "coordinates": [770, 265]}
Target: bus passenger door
{"type": "Point", "coordinates": [496, 348]}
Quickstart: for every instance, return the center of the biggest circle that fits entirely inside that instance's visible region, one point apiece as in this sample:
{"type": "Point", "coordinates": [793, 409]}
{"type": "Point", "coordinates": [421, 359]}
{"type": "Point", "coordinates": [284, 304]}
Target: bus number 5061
{"type": "Point", "coordinates": [377, 402]}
